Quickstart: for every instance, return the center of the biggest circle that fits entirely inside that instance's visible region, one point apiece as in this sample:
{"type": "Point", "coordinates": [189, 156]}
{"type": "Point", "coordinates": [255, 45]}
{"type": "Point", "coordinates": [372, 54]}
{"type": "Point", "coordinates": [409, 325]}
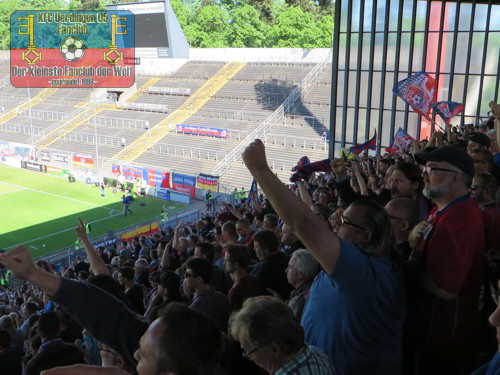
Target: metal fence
{"type": "Point", "coordinates": [66, 256]}
{"type": "Point", "coordinates": [378, 43]}
{"type": "Point", "coordinates": [120, 123]}
{"type": "Point", "coordinates": [185, 151]}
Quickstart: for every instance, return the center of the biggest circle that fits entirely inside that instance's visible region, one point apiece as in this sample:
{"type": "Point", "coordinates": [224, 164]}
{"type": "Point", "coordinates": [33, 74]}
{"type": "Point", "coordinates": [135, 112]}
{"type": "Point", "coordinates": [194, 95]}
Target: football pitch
{"type": "Point", "coordinates": [41, 210]}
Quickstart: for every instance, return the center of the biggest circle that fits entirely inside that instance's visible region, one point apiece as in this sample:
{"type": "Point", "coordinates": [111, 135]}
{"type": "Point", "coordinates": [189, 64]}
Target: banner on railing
{"type": "Point", "coordinates": [163, 193]}
{"type": "Point", "coordinates": [184, 184]}
{"type": "Point", "coordinates": [44, 156]}
{"type": "Point", "coordinates": [115, 169]}
{"type": "Point", "coordinates": [131, 173]}
{"type": "Point", "coordinates": [165, 180]}
{"type": "Point", "coordinates": [105, 242]}
{"type": "Point", "coordinates": [152, 176]}
{"type": "Point", "coordinates": [141, 231]}
{"type": "Point", "coordinates": [83, 161]}
{"type": "Point", "coordinates": [34, 166]}
{"type": "Point", "coordinates": [60, 158]}
{"type": "Point", "coordinates": [202, 130]}
{"type": "Point", "coordinates": [207, 182]}
{"type": "Point", "coordinates": [4, 149]}
{"type": "Point", "coordinates": [16, 150]}
{"type": "Point", "coordinates": [170, 90]}
{"type": "Point", "coordinates": [143, 106]}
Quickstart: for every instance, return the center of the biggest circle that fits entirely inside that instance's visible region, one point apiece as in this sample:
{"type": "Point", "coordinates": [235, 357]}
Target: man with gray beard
{"type": "Point", "coordinates": [446, 267]}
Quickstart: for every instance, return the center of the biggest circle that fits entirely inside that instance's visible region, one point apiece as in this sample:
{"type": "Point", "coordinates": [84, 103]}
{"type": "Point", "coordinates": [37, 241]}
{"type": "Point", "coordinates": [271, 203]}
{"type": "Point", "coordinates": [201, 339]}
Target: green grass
{"type": "Point", "coordinates": [39, 209]}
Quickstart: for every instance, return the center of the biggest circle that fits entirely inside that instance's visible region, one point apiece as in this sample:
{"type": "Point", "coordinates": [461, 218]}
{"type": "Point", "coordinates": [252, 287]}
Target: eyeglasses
{"type": "Point", "coordinates": [246, 354]}
{"type": "Point", "coordinates": [477, 161]}
{"type": "Point", "coordinates": [343, 222]}
{"type": "Point", "coordinates": [474, 187]}
{"type": "Point", "coordinates": [494, 293]}
{"type": "Point", "coordinates": [430, 169]}
{"type": "Point", "coordinates": [397, 218]}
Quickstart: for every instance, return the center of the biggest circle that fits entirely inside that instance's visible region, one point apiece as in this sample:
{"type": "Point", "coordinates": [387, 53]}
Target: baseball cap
{"type": "Point", "coordinates": [449, 154]}
{"type": "Point", "coordinates": [480, 138]}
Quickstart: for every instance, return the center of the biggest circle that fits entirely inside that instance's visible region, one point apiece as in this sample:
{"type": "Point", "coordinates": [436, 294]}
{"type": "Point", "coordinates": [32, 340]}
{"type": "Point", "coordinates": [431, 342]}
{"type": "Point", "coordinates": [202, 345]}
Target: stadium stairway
{"type": "Point", "coordinates": [85, 101]}
{"type": "Point", "coordinates": [143, 89]}
{"type": "Point", "coordinates": [85, 113]}
{"type": "Point", "coordinates": [27, 104]}
{"type": "Point", "coordinates": [186, 110]}
{"type": "Point", "coordinates": [71, 123]}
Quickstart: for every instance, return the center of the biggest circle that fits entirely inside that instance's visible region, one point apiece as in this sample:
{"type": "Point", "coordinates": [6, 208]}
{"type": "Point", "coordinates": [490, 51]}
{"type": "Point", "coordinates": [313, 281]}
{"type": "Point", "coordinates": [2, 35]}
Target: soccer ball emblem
{"type": "Point", "coordinates": [72, 48]}
{"type": "Point", "coordinates": [416, 100]}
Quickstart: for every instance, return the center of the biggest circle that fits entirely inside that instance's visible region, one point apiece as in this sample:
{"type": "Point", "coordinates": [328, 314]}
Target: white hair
{"type": "Point", "coordinates": [306, 263]}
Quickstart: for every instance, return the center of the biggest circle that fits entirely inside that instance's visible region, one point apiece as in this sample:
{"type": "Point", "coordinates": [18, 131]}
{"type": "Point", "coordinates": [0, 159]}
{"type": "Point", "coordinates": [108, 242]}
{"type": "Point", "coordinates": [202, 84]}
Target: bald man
{"type": "Point", "coordinates": [404, 214]}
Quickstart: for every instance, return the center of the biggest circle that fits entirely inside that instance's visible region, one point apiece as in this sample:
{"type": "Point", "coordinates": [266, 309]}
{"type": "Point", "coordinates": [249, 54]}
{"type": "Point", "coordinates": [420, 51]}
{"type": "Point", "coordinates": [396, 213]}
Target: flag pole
{"type": "Point", "coordinates": [436, 124]}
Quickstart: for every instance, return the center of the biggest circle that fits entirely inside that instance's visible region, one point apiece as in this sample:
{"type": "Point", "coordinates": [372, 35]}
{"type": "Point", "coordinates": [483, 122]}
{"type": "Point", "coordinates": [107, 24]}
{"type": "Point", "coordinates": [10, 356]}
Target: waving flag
{"type": "Point", "coordinates": [368, 145]}
{"type": "Point", "coordinates": [419, 91]}
{"type": "Point", "coordinates": [447, 110]}
{"type": "Point", "coordinates": [402, 142]}
{"type": "Point", "coordinates": [253, 189]}
{"type": "Point", "coordinates": [304, 168]}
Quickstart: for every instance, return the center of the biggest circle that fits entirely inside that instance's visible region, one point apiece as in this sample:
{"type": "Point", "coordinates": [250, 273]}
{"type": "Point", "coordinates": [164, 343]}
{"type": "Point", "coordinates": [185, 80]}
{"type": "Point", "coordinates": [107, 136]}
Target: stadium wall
{"type": "Point", "coordinates": [271, 55]}
{"type": "Point", "coordinates": [150, 66]}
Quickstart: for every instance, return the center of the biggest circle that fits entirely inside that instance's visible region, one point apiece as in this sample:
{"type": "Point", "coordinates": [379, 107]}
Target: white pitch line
{"type": "Point", "coordinates": [62, 231]}
{"type": "Point", "coordinates": [7, 192]}
{"type": "Point", "coordinates": [55, 195]}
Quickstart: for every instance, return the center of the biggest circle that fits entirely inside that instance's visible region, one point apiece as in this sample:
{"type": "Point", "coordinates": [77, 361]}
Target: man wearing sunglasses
{"type": "Point", "coordinates": [357, 304]}
{"type": "Point", "coordinates": [447, 266]}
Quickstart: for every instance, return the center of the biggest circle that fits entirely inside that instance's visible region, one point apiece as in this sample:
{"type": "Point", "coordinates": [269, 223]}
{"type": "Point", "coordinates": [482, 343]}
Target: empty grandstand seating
{"type": "Point", "coordinates": [244, 102]}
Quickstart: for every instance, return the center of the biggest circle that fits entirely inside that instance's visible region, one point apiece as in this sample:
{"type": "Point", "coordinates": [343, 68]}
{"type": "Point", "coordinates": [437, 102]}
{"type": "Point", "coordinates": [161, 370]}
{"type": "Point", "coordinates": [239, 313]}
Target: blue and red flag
{"type": "Point", "coordinates": [184, 184]}
{"type": "Point", "coordinates": [447, 110]}
{"type": "Point", "coordinates": [402, 142]}
{"type": "Point", "coordinates": [371, 144]}
{"type": "Point", "coordinates": [419, 91]}
{"type": "Point", "coordinates": [115, 169]}
{"type": "Point", "coordinates": [304, 168]}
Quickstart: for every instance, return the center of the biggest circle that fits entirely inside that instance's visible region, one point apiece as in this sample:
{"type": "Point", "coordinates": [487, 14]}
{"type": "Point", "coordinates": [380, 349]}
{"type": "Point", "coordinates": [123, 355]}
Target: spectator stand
{"type": "Point", "coordinates": [247, 99]}
{"type": "Point", "coordinates": [66, 256]}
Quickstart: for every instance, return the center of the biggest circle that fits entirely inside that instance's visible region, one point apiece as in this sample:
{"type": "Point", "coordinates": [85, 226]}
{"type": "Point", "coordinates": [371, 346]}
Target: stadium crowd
{"type": "Point", "coordinates": [376, 265]}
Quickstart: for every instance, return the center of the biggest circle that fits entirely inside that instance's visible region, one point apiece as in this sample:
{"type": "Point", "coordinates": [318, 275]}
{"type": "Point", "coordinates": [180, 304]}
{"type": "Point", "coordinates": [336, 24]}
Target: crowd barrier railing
{"type": "Point", "coordinates": [66, 256]}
